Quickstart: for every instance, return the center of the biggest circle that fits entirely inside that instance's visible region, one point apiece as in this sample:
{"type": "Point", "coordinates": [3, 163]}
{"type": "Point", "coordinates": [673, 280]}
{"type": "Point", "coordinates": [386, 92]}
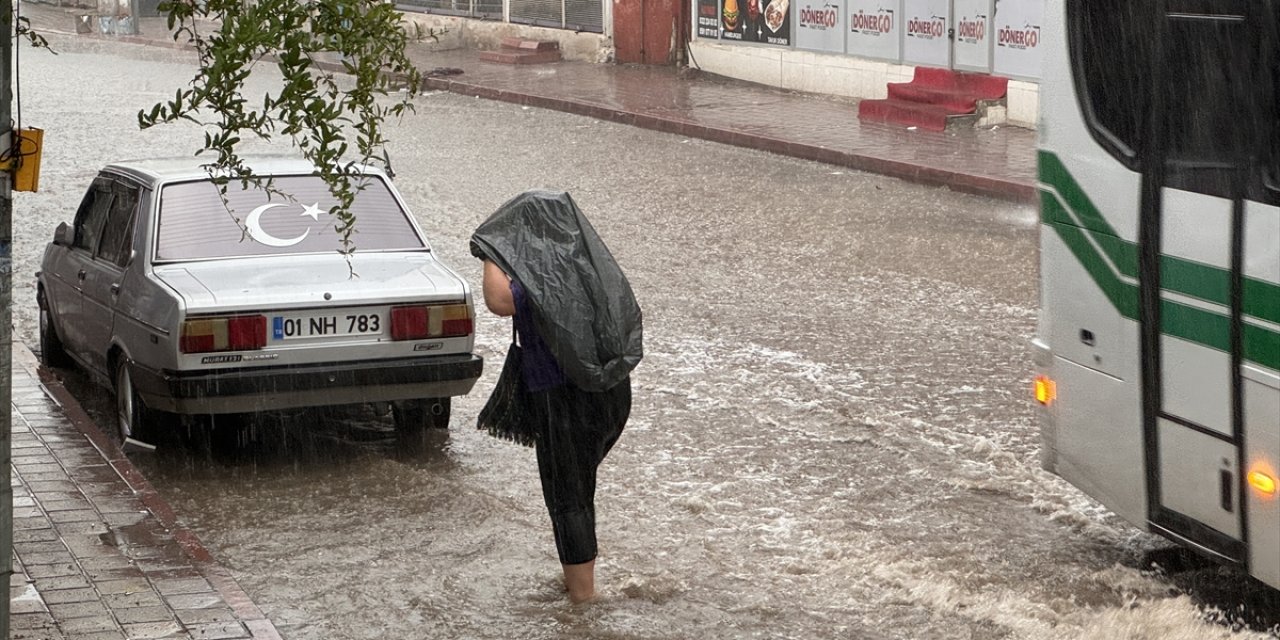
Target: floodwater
{"type": "Point", "coordinates": [831, 437]}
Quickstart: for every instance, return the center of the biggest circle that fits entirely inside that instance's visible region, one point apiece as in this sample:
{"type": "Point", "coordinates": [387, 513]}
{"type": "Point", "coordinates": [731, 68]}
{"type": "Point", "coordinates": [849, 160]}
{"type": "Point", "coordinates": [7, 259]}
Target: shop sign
{"type": "Point", "coordinates": [820, 25]}
{"type": "Point", "coordinates": [708, 18]}
{"type": "Point", "coordinates": [765, 21]}
{"type": "Point", "coordinates": [874, 29]}
{"type": "Point", "coordinates": [973, 34]}
{"type": "Point", "coordinates": [925, 40]}
{"type": "Point", "coordinates": [1017, 38]}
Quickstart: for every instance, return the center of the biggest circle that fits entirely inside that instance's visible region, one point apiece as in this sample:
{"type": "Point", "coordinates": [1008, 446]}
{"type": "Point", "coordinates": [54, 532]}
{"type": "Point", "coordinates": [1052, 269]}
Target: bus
{"type": "Point", "coordinates": [1157, 350]}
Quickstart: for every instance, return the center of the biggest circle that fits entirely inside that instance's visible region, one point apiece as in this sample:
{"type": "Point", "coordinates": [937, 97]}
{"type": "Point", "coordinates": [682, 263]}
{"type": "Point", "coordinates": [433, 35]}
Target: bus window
{"type": "Point", "coordinates": [1211, 113]}
{"type": "Point", "coordinates": [1270, 63]}
{"type": "Point", "coordinates": [1109, 45]}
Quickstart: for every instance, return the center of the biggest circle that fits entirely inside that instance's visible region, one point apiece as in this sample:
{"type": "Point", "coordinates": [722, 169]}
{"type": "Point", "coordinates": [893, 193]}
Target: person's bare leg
{"type": "Point", "coordinates": [580, 580]}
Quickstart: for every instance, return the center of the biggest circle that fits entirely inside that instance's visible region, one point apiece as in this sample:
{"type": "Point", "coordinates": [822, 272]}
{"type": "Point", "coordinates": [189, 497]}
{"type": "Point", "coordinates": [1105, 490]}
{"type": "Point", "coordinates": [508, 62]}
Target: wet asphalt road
{"type": "Point", "coordinates": [831, 436]}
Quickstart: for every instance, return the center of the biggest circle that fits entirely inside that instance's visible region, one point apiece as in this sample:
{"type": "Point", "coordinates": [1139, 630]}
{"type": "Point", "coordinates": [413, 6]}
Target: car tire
{"type": "Point", "coordinates": [133, 418]}
{"type": "Point", "coordinates": [52, 353]}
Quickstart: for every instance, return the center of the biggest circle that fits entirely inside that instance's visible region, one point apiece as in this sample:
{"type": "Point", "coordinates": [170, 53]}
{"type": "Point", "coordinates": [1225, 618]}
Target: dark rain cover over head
{"type": "Point", "coordinates": [582, 303]}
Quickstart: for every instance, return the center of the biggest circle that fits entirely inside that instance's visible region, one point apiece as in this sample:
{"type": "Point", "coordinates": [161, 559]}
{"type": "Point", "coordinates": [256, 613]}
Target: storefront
{"type": "Point", "coordinates": [581, 27]}
{"type": "Point", "coordinates": [576, 15]}
{"type": "Point", "coordinates": [855, 47]}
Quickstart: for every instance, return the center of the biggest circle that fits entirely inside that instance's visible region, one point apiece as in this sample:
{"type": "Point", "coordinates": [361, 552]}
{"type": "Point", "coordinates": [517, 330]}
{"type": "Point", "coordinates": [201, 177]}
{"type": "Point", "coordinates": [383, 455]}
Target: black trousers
{"type": "Point", "coordinates": [576, 431]}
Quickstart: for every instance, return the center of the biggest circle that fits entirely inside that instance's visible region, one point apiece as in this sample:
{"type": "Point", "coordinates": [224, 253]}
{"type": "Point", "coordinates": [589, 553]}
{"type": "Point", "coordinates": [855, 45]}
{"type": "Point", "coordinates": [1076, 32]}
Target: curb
{"type": "Point", "coordinates": [202, 559]}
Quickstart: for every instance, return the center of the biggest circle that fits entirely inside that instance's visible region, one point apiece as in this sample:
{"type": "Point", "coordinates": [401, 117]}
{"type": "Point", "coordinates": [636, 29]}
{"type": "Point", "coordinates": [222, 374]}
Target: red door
{"type": "Point", "coordinates": [648, 31]}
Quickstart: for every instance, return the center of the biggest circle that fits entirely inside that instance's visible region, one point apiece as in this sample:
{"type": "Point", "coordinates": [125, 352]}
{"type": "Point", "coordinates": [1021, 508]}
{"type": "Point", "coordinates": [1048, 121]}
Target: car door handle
{"type": "Point", "coordinates": [115, 289]}
{"type": "Point", "coordinates": [81, 274]}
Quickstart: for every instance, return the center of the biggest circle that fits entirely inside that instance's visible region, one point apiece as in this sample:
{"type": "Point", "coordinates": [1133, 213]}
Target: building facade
{"type": "Point", "coordinates": [850, 48]}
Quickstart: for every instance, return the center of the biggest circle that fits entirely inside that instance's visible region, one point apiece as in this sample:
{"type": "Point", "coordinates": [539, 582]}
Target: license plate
{"type": "Point", "coordinates": [307, 325]}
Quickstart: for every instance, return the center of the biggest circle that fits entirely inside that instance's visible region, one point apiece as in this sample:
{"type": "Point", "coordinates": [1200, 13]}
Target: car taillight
{"type": "Point", "coordinates": [233, 333]}
{"type": "Point", "coordinates": [430, 321]}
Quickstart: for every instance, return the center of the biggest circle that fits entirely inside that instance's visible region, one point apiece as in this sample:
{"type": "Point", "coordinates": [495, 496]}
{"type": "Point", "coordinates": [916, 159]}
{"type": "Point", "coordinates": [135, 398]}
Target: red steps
{"type": "Point", "coordinates": [934, 99]}
{"type": "Point", "coordinates": [520, 51]}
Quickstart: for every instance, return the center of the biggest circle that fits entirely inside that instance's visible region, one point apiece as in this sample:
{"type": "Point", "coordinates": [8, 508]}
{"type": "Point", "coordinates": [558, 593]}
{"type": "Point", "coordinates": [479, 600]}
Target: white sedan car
{"type": "Point", "coordinates": [184, 302]}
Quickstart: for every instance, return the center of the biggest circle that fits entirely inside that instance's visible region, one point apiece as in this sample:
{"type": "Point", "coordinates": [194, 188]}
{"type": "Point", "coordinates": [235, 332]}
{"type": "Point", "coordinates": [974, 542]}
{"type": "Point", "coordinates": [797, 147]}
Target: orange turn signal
{"type": "Point", "coordinates": [1262, 482]}
{"type": "Point", "coordinates": [1046, 390]}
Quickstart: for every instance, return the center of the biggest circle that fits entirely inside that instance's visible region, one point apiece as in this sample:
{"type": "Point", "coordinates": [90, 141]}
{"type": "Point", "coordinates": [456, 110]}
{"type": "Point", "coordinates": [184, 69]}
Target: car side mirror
{"type": "Point", "coordinates": [65, 236]}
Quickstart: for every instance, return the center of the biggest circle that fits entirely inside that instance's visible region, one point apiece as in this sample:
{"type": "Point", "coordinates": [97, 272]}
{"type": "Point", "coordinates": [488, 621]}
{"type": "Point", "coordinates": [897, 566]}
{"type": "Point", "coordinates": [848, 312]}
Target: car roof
{"type": "Point", "coordinates": [181, 169]}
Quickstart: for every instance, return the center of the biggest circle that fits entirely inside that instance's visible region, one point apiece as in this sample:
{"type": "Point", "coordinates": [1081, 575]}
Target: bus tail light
{"type": "Point", "coordinates": [1046, 391]}
{"type": "Point", "coordinates": [232, 333]}
{"type": "Point", "coordinates": [1262, 482]}
{"type": "Point", "coordinates": [430, 321]}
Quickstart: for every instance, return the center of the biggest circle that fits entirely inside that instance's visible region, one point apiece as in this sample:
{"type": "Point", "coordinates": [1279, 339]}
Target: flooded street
{"type": "Point", "coordinates": [832, 433]}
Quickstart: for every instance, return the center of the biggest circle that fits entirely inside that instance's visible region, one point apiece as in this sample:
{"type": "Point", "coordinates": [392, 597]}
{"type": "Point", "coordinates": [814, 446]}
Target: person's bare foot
{"type": "Point", "coordinates": [592, 597]}
{"type": "Point", "coordinates": [580, 581]}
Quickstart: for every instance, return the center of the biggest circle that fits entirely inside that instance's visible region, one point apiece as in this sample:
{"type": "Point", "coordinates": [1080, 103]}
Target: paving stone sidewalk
{"type": "Point", "coordinates": [998, 162]}
{"type": "Point", "coordinates": [98, 554]}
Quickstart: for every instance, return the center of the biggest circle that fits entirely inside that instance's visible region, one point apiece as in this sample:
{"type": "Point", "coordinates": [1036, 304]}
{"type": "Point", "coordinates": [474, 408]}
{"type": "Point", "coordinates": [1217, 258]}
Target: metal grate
{"type": "Point", "coordinates": [584, 15]}
{"type": "Point", "coordinates": [487, 9]}
{"type": "Point", "coordinates": [579, 15]}
{"type": "Point", "coordinates": [543, 13]}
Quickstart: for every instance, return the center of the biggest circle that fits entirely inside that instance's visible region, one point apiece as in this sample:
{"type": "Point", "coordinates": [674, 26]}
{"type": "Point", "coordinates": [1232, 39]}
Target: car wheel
{"type": "Point", "coordinates": [52, 353]}
{"type": "Point", "coordinates": [132, 416]}
{"type": "Point", "coordinates": [416, 415]}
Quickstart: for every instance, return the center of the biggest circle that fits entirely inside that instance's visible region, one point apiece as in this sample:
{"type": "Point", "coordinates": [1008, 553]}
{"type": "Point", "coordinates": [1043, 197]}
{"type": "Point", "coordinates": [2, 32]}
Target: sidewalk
{"type": "Point", "coordinates": [998, 162]}
{"type": "Point", "coordinates": [98, 554]}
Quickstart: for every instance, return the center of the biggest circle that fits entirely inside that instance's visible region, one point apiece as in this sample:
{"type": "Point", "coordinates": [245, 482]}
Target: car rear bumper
{"type": "Point", "coordinates": [266, 389]}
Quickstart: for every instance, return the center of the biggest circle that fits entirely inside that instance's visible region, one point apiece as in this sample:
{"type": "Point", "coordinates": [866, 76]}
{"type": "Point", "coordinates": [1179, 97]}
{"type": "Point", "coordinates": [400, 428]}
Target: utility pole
{"type": "Point", "coordinates": [6, 314]}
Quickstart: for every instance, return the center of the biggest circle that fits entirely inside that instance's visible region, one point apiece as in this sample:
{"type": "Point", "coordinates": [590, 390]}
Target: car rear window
{"type": "Point", "coordinates": [195, 224]}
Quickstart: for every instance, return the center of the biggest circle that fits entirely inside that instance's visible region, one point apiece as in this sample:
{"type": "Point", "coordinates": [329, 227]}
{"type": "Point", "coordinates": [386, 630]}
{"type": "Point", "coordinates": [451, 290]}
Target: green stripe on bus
{"type": "Point", "coordinates": [1123, 296]}
{"type": "Point", "coordinates": [1053, 172]}
{"type": "Point", "coordinates": [1202, 327]}
{"type": "Point", "coordinates": [1178, 320]}
{"type": "Point", "coordinates": [1214, 331]}
{"type": "Point", "coordinates": [1262, 346]}
{"type": "Point", "coordinates": [1196, 280]}
{"type": "Point", "coordinates": [1260, 299]}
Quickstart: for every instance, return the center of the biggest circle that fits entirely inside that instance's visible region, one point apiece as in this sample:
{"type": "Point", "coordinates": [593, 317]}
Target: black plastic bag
{"type": "Point", "coordinates": [582, 303]}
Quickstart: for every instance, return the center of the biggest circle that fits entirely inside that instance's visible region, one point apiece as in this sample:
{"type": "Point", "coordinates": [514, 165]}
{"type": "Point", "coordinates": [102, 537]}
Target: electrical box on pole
{"type": "Point", "coordinates": [29, 144]}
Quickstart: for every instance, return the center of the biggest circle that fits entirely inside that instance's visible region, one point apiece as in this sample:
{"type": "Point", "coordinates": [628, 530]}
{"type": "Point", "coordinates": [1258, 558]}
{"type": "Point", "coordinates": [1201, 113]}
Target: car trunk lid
{"type": "Point", "coordinates": [300, 282]}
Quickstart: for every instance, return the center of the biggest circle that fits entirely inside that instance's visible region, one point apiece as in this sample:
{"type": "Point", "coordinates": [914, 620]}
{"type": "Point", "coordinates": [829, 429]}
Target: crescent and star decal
{"type": "Point", "coordinates": [254, 225]}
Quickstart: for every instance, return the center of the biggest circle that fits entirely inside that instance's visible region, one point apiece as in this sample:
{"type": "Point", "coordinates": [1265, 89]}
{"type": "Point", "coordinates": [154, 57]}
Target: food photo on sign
{"type": "Point", "coordinates": [772, 24]}
{"type": "Point", "coordinates": [731, 21]}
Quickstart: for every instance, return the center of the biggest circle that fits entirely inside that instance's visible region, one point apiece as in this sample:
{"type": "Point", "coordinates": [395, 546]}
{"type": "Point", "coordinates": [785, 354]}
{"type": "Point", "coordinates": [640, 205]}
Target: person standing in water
{"type": "Point", "coordinates": [580, 335]}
